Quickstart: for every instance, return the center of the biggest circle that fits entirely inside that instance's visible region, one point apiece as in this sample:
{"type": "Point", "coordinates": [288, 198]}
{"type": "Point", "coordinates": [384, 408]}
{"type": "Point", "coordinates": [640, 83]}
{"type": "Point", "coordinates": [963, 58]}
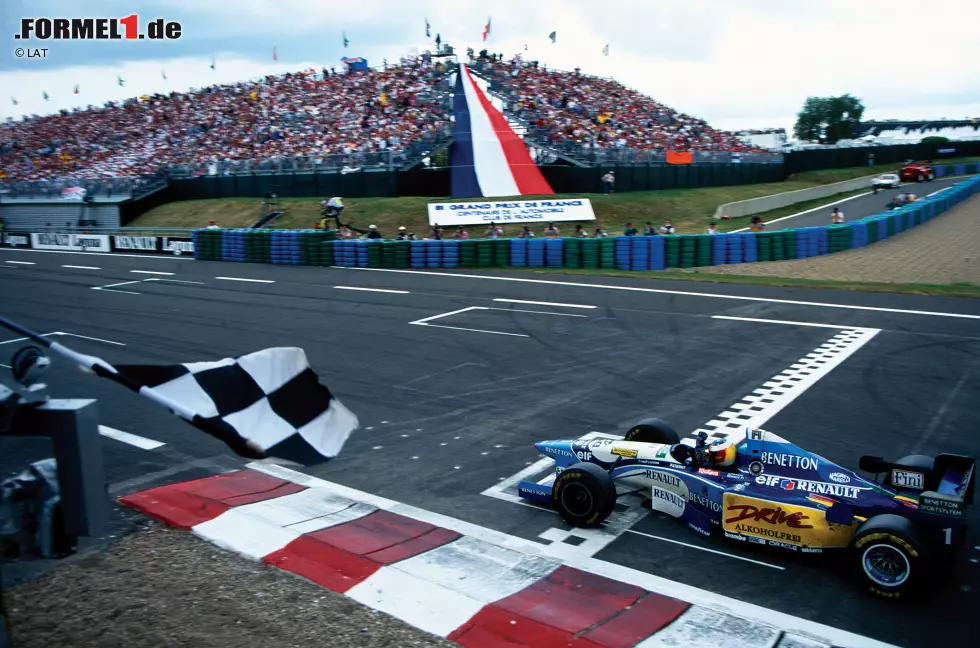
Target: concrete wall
{"type": "Point", "coordinates": [33, 216]}
{"type": "Point", "coordinates": [767, 203]}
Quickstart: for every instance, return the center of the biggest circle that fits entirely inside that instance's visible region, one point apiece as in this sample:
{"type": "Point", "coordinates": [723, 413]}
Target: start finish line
{"type": "Point", "coordinates": [510, 211]}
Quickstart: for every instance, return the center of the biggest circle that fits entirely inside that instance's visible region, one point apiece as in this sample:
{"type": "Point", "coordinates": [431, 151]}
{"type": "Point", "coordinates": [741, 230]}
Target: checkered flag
{"type": "Point", "coordinates": [265, 404]}
{"type": "Point", "coordinates": [269, 401]}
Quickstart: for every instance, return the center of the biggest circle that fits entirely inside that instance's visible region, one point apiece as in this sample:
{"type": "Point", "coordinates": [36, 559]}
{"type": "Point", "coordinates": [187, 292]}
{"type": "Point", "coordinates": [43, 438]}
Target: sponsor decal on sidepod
{"type": "Point", "coordinates": [821, 488]}
{"type": "Point", "coordinates": [840, 478]}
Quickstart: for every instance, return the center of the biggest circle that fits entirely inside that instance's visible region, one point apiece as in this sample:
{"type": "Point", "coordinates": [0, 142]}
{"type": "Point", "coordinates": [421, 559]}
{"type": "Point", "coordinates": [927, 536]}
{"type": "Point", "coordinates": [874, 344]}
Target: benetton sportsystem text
{"type": "Point", "coordinates": [127, 28]}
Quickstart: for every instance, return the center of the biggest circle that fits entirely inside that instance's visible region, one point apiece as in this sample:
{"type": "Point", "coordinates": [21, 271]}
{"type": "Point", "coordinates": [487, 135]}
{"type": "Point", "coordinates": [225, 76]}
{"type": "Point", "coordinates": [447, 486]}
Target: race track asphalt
{"type": "Point", "coordinates": [448, 412]}
{"type": "Point", "coordinates": [860, 206]}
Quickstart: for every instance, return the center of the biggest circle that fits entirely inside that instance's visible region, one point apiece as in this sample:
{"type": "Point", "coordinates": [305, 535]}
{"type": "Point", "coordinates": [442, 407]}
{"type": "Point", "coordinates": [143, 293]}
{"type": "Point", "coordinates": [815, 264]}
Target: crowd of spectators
{"type": "Point", "coordinates": [597, 113]}
{"type": "Point", "coordinates": [351, 114]}
{"type": "Point", "coordinates": [309, 113]}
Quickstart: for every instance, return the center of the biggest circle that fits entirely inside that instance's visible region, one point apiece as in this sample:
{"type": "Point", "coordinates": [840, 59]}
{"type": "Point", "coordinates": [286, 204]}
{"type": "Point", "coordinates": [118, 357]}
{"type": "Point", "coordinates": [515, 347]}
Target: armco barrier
{"type": "Point", "coordinates": [631, 253]}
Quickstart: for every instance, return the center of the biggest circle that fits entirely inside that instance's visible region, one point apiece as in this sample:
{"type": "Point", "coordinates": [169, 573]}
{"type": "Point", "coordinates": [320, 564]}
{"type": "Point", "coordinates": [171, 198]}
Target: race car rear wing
{"type": "Point", "coordinates": [947, 489]}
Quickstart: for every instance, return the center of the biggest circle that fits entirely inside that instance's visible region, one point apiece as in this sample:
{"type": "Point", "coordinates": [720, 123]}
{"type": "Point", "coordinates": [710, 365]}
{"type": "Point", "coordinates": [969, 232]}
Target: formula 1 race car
{"type": "Point", "coordinates": [759, 488]}
{"type": "Point", "coordinates": [917, 173]}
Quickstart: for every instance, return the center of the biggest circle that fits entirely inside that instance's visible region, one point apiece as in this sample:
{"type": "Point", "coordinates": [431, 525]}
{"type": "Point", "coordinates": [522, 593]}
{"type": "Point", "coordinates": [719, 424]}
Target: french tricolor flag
{"type": "Point", "coordinates": [488, 159]}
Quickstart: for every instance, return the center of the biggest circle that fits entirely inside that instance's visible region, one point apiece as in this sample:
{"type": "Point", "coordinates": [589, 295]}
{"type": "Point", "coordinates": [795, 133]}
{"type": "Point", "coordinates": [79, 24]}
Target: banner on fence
{"type": "Point", "coordinates": [73, 193]}
{"type": "Point", "coordinates": [71, 242]}
{"type": "Point", "coordinates": [448, 214]}
{"type": "Point", "coordinates": [153, 244]}
{"type": "Point", "coordinates": [13, 239]}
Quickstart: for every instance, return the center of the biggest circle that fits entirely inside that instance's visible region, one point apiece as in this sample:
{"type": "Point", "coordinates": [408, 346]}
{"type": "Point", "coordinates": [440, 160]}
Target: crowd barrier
{"type": "Point", "coordinates": [631, 253]}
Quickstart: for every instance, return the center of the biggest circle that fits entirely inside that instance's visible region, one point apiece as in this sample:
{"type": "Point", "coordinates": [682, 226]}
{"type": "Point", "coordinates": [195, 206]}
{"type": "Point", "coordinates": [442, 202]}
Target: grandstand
{"type": "Point", "coordinates": [318, 121]}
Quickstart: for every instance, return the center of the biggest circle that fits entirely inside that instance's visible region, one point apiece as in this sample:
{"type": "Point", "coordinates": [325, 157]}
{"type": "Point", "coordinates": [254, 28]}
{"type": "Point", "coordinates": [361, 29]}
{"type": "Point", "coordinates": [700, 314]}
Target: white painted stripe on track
{"type": "Point", "coordinates": [518, 310]}
{"type": "Point", "coordinates": [651, 582]}
{"type": "Point", "coordinates": [461, 328]}
{"type": "Point", "coordinates": [541, 303]}
{"type": "Point", "coordinates": [700, 627]}
{"type": "Point", "coordinates": [683, 293]}
{"type": "Point", "coordinates": [132, 439]}
{"type": "Point", "coordinates": [455, 312]}
{"type": "Point", "coordinates": [108, 254]}
{"type": "Point", "coordinates": [792, 323]}
{"type": "Point", "coordinates": [262, 281]}
{"type": "Point", "coordinates": [21, 262]}
{"type": "Point", "coordinates": [699, 548]}
{"type": "Point", "coordinates": [808, 211]}
{"type": "Point", "coordinates": [379, 290]}
{"type": "Point", "coordinates": [86, 337]}
{"type": "Point", "coordinates": [152, 272]}
{"type": "Point", "coordinates": [75, 267]}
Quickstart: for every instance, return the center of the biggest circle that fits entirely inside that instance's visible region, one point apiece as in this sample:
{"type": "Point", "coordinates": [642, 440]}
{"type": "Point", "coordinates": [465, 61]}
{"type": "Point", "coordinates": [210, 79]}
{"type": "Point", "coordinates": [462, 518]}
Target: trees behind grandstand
{"type": "Point", "coordinates": [828, 119]}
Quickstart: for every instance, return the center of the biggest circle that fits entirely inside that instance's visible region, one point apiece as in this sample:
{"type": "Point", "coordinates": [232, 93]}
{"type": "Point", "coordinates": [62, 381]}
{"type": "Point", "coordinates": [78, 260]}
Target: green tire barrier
{"type": "Point", "coordinates": [321, 247]}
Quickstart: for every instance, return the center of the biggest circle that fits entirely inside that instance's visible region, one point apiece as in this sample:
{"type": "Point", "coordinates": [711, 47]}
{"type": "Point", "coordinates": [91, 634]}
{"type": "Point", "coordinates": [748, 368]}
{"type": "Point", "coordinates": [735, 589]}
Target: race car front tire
{"type": "Point", "coordinates": [653, 430]}
{"type": "Point", "coordinates": [584, 495]}
{"type": "Point", "coordinates": [888, 556]}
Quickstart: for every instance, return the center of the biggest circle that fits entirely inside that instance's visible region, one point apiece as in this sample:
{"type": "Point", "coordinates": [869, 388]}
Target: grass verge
{"type": "Point", "coordinates": [937, 290]}
{"type": "Point", "coordinates": [690, 210]}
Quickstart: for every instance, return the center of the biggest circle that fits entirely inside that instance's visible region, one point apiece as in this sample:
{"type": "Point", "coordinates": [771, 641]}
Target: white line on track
{"type": "Point", "coordinates": [75, 267]}
{"type": "Point", "coordinates": [151, 272]}
{"type": "Point", "coordinates": [21, 262]}
{"type": "Point", "coordinates": [109, 254]}
{"type": "Point", "coordinates": [179, 281]}
{"type": "Point", "coordinates": [541, 303]}
{"type": "Point", "coordinates": [455, 312]}
{"type": "Point", "coordinates": [518, 310]}
{"type": "Point", "coordinates": [132, 439]}
{"type": "Point", "coordinates": [808, 211]}
{"type": "Point", "coordinates": [714, 551]}
{"type": "Point", "coordinates": [86, 337]}
{"type": "Point", "coordinates": [663, 291]}
{"type": "Point", "coordinates": [263, 281]}
{"type": "Point", "coordinates": [380, 290]}
{"type": "Point", "coordinates": [774, 321]}
{"type": "Point", "coordinates": [460, 328]}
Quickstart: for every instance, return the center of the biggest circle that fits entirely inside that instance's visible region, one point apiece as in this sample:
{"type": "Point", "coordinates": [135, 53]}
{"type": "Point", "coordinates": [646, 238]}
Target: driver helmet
{"type": "Point", "coordinates": [720, 453]}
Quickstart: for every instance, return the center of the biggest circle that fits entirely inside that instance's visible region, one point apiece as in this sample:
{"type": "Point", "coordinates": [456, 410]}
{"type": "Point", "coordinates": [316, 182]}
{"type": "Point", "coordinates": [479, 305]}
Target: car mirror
{"type": "Point", "coordinates": [873, 464]}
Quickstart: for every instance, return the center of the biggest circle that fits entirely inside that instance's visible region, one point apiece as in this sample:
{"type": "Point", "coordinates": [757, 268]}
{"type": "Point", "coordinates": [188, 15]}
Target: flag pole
{"type": "Point", "coordinates": [103, 369]}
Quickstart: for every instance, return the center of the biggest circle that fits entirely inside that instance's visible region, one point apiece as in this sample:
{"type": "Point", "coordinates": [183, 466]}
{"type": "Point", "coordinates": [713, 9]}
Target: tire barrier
{"type": "Point", "coordinates": [628, 253]}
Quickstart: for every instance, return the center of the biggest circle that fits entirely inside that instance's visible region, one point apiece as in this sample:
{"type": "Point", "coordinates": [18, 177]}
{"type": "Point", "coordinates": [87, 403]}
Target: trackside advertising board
{"type": "Point", "coordinates": [153, 244]}
{"type": "Point", "coordinates": [448, 214]}
{"type": "Point", "coordinates": [71, 242]}
{"type": "Point", "coordinates": [15, 240]}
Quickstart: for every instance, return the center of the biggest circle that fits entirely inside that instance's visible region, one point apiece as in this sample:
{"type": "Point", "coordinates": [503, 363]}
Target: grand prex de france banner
{"type": "Point", "coordinates": [510, 211]}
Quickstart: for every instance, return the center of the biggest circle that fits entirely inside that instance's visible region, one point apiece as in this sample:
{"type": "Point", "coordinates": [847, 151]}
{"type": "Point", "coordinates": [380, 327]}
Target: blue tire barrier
{"type": "Point", "coordinates": [719, 248]}
{"type": "Point", "coordinates": [518, 252]}
{"type": "Point", "coordinates": [750, 247]}
{"type": "Point", "coordinates": [621, 250]}
{"type": "Point", "coordinates": [639, 252]}
{"type": "Point", "coordinates": [450, 254]}
{"type": "Point", "coordinates": [658, 253]}
{"type": "Point", "coordinates": [417, 255]}
{"type": "Point", "coordinates": [535, 253]}
{"type": "Point", "coordinates": [882, 224]}
{"type": "Point", "coordinates": [735, 249]}
{"type": "Point", "coordinates": [554, 253]}
{"type": "Point", "coordinates": [959, 169]}
{"type": "Point", "coordinates": [361, 252]}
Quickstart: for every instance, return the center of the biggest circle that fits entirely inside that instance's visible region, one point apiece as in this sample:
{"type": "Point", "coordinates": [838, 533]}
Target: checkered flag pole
{"type": "Point", "coordinates": [265, 404]}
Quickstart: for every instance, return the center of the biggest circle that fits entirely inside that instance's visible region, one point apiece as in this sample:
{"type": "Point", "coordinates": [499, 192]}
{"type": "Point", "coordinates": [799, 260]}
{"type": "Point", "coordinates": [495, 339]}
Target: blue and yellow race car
{"type": "Point", "coordinates": [759, 488]}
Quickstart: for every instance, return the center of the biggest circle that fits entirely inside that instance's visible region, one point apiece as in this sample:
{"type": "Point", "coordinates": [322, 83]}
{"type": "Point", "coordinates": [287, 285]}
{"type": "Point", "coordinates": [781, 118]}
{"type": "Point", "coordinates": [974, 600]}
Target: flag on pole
{"type": "Point", "coordinates": [14, 101]}
{"type": "Point", "coordinates": [438, 40]}
{"type": "Point", "coordinates": [427, 34]}
{"type": "Point", "coordinates": [346, 42]}
{"type": "Point", "coordinates": [213, 62]}
{"type": "Point", "coordinates": [275, 56]}
{"type": "Point", "coordinates": [605, 50]}
{"type": "Point", "coordinates": [119, 80]}
{"type": "Point", "coordinates": [525, 47]}
{"type": "Point", "coordinates": [44, 94]}
{"type": "Point", "coordinates": [553, 36]}
{"type": "Point", "coordinates": [76, 89]}
{"type": "Point", "coordinates": [486, 30]}
{"type": "Point", "coordinates": [163, 73]}
{"type": "Point", "coordinates": [265, 404]}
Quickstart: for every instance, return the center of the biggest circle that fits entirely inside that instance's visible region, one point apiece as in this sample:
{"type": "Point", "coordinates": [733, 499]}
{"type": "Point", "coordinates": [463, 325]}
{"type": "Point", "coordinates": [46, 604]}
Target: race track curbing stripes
{"type": "Point", "coordinates": [464, 588]}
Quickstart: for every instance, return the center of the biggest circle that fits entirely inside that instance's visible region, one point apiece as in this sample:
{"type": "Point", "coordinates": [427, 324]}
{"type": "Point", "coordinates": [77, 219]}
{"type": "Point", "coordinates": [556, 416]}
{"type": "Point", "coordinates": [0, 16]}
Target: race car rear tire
{"type": "Point", "coordinates": [653, 430]}
{"type": "Point", "coordinates": [584, 495]}
{"type": "Point", "coordinates": [888, 556]}
{"type": "Point", "coordinates": [931, 176]}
